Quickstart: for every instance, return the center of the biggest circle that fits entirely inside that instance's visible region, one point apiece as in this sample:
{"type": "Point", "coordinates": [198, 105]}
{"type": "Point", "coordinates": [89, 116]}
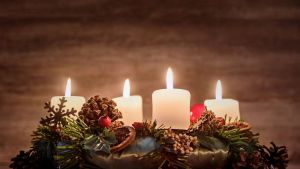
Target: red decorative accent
{"type": "Point", "coordinates": [104, 121]}
{"type": "Point", "coordinates": [196, 112]}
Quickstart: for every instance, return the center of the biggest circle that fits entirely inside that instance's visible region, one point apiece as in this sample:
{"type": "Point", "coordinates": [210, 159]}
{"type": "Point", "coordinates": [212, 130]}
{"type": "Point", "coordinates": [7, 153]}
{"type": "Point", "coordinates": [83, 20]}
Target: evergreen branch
{"type": "Point", "coordinates": [81, 142]}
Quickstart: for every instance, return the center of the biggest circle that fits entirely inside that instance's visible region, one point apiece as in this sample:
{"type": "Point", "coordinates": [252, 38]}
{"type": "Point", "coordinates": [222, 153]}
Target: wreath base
{"type": "Point", "coordinates": [130, 158]}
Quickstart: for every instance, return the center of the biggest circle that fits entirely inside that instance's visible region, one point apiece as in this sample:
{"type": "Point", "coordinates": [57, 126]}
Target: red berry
{"type": "Point", "coordinates": [196, 112]}
{"type": "Point", "coordinates": [104, 121]}
{"type": "Point", "coordinates": [193, 119]}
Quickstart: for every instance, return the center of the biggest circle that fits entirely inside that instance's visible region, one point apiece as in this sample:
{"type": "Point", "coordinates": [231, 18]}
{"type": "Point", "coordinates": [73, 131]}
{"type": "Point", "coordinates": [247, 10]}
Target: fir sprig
{"type": "Point", "coordinates": [70, 151]}
{"type": "Point", "coordinates": [149, 128]}
{"type": "Point", "coordinates": [45, 133]}
{"type": "Point", "coordinates": [81, 142]}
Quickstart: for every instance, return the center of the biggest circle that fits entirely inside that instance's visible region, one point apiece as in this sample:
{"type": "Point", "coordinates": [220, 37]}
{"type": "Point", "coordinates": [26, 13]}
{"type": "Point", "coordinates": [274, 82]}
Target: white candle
{"type": "Point", "coordinates": [222, 107]}
{"type": "Point", "coordinates": [171, 106]}
{"type": "Point", "coordinates": [130, 106]}
{"type": "Point", "coordinates": [75, 102]}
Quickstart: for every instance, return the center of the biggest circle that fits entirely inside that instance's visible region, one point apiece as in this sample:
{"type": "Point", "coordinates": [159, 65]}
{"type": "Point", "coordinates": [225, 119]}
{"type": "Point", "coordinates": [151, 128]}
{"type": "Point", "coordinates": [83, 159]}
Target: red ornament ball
{"type": "Point", "coordinates": [196, 112]}
{"type": "Point", "coordinates": [104, 121]}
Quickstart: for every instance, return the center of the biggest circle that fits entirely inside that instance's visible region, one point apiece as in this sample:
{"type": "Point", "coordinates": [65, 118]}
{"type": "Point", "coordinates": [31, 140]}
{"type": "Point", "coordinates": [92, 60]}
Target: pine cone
{"type": "Point", "coordinates": [96, 107]}
{"type": "Point", "coordinates": [249, 160]}
{"type": "Point", "coordinates": [275, 156]}
{"type": "Point", "coordinates": [116, 124]}
{"type": "Point", "coordinates": [25, 160]}
{"type": "Point", "coordinates": [208, 124]}
{"type": "Point", "coordinates": [208, 116]}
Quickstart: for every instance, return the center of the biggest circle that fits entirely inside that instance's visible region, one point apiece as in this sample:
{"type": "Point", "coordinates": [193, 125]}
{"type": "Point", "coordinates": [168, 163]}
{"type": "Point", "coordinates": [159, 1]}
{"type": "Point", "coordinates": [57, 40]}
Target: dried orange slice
{"type": "Point", "coordinates": [125, 136]}
{"type": "Point", "coordinates": [243, 126]}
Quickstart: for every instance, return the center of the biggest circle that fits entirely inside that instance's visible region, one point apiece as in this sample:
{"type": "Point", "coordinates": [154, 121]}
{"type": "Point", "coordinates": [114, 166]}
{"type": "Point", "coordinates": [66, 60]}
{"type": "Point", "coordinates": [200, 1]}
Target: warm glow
{"type": "Point", "coordinates": [68, 88]}
{"type": "Point", "coordinates": [219, 90]}
{"type": "Point", "coordinates": [169, 79]}
{"type": "Point", "coordinates": [126, 89]}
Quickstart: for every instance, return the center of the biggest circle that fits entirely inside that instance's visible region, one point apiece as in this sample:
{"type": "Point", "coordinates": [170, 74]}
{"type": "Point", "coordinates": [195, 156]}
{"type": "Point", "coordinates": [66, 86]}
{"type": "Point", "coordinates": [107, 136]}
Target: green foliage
{"type": "Point", "coordinates": [149, 128]}
{"type": "Point", "coordinates": [95, 144]}
{"type": "Point", "coordinates": [64, 142]}
{"type": "Point", "coordinates": [70, 151]}
{"type": "Point", "coordinates": [243, 148]}
{"type": "Point", "coordinates": [76, 130]}
{"type": "Point", "coordinates": [45, 133]}
{"type": "Point", "coordinates": [81, 142]}
{"type": "Point", "coordinates": [71, 156]}
{"type": "Point", "coordinates": [45, 138]}
{"type": "Point", "coordinates": [238, 139]}
{"type": "Point", "coordinates": [109, 136]}
{"type": "Point", "coordinates": [42, 150]}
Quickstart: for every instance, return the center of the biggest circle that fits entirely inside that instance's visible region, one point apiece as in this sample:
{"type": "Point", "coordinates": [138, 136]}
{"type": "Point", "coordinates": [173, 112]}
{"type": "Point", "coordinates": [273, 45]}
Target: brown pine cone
{"type": "Point", "coordinates": [116, 124]}
{"type": "Point", "coordinates": [96, 107]}
{"type": "Point", "coordinates": [28, 160]}
{"type": "Point", "coordinates": [275, 156]}
{"type": "Point", "coordinates": [207, 124]}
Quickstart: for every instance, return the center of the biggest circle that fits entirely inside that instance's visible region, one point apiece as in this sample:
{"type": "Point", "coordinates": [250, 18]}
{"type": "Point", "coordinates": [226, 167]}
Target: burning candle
{"type": "Point", "coordinates": [222, 107]}
{"type": "Point", "coordinates": [130, 106]}
{"type": "Point", "coordinates": [75, 102]}
{"type": "Point", "coordinates": [171, 106]}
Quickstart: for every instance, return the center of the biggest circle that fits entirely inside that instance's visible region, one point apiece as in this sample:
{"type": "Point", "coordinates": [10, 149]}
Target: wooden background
{"type": "Point", "coordinates": [252, 46]}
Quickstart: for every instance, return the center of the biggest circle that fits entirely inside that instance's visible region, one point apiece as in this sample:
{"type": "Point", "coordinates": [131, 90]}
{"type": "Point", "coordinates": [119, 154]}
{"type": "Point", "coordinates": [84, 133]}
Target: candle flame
{"type": "Point", "coordinates": [219, 90]}
{"type": "Point", "coordinates": [169, 79]}
{"type": "Point", "coordinates": [126, 89]}
{"type": "Point", "coordinates": [68, 88]}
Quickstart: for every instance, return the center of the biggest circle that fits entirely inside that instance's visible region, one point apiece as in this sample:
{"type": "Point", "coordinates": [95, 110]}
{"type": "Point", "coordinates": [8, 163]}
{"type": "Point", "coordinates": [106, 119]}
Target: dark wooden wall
{"type": "Point", "coordinates": [252, 46]}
